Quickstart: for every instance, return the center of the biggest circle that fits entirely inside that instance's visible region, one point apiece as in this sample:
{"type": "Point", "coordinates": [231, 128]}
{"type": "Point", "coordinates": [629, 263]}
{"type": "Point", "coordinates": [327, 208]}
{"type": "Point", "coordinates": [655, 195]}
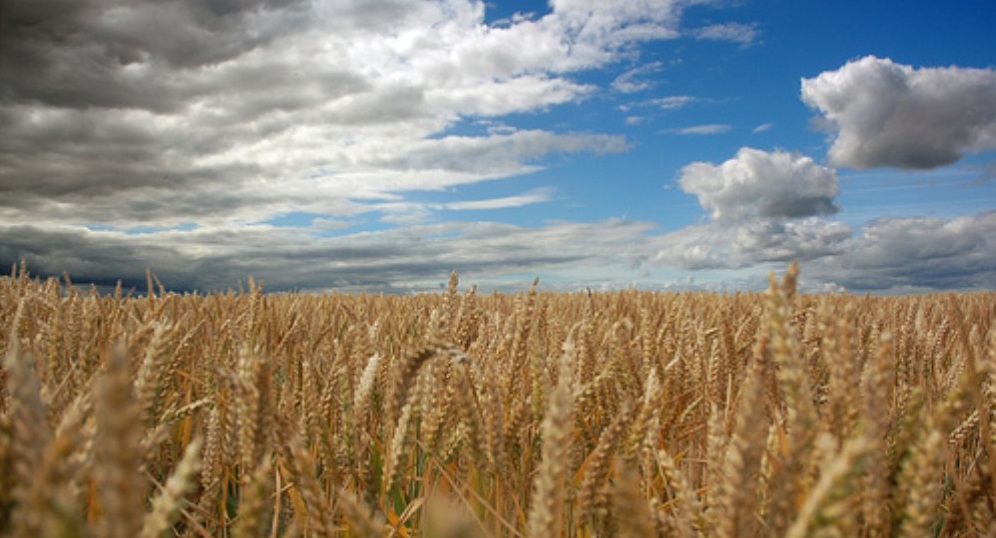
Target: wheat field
{"type": "Point", "coordinates": [627, 413]}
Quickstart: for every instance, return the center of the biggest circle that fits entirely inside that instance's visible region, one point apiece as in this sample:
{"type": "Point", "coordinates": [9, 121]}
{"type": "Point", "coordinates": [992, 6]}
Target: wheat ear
{"type": "Point", "coordinates": [547, 504]}
{"type": "Point", "coordinates": [117, 448]}
{"type": "Point", "coordinates": [166, 506]}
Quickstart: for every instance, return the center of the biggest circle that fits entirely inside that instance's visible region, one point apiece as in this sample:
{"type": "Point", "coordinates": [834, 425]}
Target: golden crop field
{"type": "Point", "coordinates": [628, 413]}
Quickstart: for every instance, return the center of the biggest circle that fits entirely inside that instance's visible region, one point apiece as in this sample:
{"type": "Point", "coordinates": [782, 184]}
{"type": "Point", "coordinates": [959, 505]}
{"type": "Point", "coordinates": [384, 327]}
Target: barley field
{"type": "Point", "coordinates": [630, 414]}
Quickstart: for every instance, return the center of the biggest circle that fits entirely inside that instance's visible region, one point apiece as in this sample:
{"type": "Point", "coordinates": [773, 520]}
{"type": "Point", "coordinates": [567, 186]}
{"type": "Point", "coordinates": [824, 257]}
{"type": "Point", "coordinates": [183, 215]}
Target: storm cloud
{"type": "Point", "coordinates": [401, 259]}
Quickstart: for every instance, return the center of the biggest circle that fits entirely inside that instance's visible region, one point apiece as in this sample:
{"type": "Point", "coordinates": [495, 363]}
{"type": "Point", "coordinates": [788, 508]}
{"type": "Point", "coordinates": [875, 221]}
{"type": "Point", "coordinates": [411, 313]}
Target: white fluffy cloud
{"type": "Point", "coordinates": [890, 114]}
{"type": "Point", "coordinates": [764, 207]}
{"type": "Point", "coordinates": [759, 184]}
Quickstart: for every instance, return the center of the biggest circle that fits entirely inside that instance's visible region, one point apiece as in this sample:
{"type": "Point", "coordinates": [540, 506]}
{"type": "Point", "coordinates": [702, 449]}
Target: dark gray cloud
{"type": "Point", "coordinates": [114, 54]}
{"type": "Point", "coordinates": [88, 257]}
{"type": "Point", "coordinates": [889, 114]}
{"type": "Point", "coordinates": [759, 184]}
{"type": "Point", "coordinates": [297, 259]}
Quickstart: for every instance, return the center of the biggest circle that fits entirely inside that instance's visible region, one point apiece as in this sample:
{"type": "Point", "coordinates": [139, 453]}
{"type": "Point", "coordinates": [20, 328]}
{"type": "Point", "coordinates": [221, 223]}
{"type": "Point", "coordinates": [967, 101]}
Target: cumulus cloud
{"type": "Point", "coordinates": [759, 184]}
{"type": "Point", "coordinates": [769, 208]}
{"type": "Point", "coordinates": [890, 114]}
{"type": "Point", "coordinates": [763, 208]}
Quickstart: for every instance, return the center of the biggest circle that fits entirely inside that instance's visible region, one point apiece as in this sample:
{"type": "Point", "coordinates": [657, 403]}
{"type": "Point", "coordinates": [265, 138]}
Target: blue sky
{"type": "Point", "coordinates": [376, 145]}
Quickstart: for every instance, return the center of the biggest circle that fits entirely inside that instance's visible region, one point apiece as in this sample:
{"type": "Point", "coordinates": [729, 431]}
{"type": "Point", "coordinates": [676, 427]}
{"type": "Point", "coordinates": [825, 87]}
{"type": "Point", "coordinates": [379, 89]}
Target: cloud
{"type": "Point", "coordinates": [913, 253]}
{"type": "Point", "coordinates": [408, 213]}
{"type": "Point", "coordinates": [781, 241]}
{"type": "Point", "coordinates": [180, 135]}
{"type": "Point", "coordinates": [217, 258]}
{"type": "Point", "coordinates": [672, 102]}
{"type": "Point", "coordinates": [763, 127]}
{"type": "Point", "coordinates": [758, 184]}
{"type": "Point", "coordinates": [887, 255]}
{"type": "Point", "coordinates": [894, 255]}
{"type": "Point", "coordinates": [750, 243]}
{"type": "Point", "coordinates": [890, 114]}
{"type": "Point", "coordinates": [151, 114]}
{"type": "Point", "coordinates": [497, 153]}
{"type": "Point", "coordinates": [518, 200]}
{"type": "Point", "coordinates": [763, 207]}
{"type": "Point", "coordinates": [613, 23]}
{"type": "Point", "coordinates": [183, 135]}
{"type": "Point", "coordinates": [769, 208]}
{"type": "Point", "coordinates": [706, 129]}
{"type": "Point", "coordinates": [630, 81]}
{"type": "Point", "coordinates": [735, 32]}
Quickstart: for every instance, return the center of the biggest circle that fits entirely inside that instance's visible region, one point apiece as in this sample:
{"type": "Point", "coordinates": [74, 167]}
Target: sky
{"type": "Point", "coordinates": [378, 145]}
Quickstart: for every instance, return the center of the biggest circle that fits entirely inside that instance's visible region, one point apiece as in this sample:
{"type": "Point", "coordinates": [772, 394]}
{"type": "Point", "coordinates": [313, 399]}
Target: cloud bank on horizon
{"type": "Point", "coordinates": [380, 144]}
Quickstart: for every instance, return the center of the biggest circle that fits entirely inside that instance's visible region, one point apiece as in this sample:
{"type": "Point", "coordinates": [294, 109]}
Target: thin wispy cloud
{"type": "Point", "coordinates": [519, 200]}
{"type": "Point", "coordinates": [637, 79]}
{"type": "Point", "coordinates": [672, 102]}
{"type": "Point", "coordinates": [705, 129]}
{"type": "Point", "coordinates": [735, 32]}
